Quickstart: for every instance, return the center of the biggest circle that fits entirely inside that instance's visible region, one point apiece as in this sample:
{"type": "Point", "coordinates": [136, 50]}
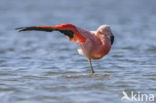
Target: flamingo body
{"type": "Point", "coordinates": [96, 45]}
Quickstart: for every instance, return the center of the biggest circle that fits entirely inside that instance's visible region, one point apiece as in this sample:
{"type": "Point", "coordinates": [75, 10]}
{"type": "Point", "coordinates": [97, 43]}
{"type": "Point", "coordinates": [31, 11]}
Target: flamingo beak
{"type": "Point", "coordinates": [112, 39]}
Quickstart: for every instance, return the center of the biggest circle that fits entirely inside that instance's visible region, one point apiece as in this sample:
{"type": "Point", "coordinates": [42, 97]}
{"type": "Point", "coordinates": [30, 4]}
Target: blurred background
{"type": "Point", "coordinates": [41, 67]}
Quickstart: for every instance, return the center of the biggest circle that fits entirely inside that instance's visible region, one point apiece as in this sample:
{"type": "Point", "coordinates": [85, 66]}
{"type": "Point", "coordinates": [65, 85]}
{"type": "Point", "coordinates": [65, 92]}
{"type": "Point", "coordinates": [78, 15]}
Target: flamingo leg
{"type": "Point", "coordinates": [91, 67]}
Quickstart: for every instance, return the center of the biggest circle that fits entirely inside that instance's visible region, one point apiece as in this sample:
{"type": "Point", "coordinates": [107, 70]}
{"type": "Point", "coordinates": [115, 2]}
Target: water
{"type": "Point", "coordinates": [40, 67]}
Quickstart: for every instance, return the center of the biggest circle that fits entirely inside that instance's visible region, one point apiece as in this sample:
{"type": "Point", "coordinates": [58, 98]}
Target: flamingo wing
{"type": "Point", "coordinates": [69, 30]}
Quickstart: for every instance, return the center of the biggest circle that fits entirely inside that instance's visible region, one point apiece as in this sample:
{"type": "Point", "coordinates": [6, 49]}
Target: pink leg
{"type": "Point", "coordinates": [91, 67]}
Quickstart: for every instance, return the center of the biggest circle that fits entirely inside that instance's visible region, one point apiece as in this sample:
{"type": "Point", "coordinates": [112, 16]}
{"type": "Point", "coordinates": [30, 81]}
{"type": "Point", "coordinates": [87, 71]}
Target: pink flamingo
{"type": "Point", "coordinates": [93, 44]}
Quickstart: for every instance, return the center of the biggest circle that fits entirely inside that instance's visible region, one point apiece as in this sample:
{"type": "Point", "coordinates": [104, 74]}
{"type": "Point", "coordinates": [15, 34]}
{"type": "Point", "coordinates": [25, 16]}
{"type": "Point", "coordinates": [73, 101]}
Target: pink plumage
{"type": "Point", "coordinates": [93, 44]}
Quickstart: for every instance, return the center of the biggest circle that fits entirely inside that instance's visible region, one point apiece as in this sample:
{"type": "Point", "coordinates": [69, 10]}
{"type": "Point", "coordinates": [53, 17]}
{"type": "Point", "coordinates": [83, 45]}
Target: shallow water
{"type": "Point", "coordinates": [39, 67]}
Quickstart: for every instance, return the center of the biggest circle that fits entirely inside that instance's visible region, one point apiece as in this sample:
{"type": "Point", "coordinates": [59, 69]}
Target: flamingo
{"type": "Point", "coordinates": [93, 44]}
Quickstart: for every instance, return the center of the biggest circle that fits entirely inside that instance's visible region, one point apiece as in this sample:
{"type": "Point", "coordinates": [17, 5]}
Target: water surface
{"type": "Point", "coordinates": [40, 67]}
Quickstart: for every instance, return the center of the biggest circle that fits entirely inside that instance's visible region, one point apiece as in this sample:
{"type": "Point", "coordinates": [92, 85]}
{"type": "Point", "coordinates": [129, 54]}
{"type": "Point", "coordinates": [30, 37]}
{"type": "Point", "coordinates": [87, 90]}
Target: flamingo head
{"type": "Point", "coordinates": [106, 31]}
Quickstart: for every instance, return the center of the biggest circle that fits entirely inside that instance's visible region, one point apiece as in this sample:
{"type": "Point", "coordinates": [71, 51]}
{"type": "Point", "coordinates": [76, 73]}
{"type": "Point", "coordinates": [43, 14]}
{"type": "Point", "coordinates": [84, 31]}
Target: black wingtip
{"type": "Point", "coordinates": [20, 29]}
{"type": "Point", "coordinates": [34, 28]}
